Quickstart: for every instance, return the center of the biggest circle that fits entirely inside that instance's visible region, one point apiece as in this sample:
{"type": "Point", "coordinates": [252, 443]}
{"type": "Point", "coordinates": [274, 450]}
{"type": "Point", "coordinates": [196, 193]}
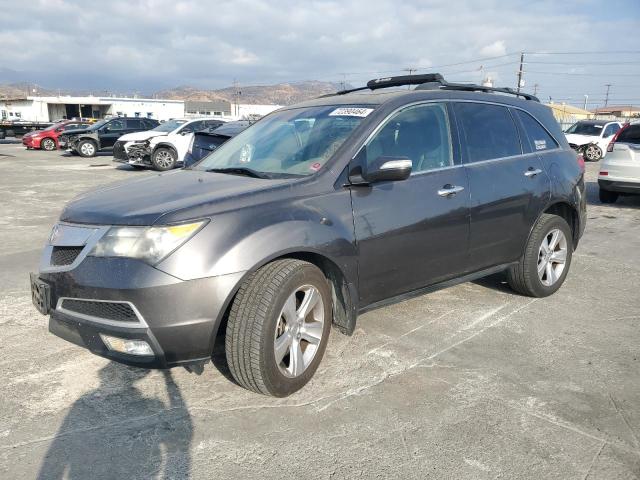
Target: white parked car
{"type": "Point", "coordinates": [591, 137]}
{"type": "Point", "coordinates": [164, 147]}
{"type": "Point", "coordinates": [620, 171]}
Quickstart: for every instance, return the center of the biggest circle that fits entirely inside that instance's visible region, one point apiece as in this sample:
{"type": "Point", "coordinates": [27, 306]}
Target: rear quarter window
{"type": "Point", "coordinates": [539, 138]}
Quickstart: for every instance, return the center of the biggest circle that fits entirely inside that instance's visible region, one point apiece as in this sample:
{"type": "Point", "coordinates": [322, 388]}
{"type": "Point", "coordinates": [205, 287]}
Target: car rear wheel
{"type": "Point", "coordinates": [278, 327]}
{"type": "Point", "coordinates": [87, 148]}
{"type": "Point", "coordinates": [163, 158]}
{"type": "Point", "coordinates": [544, 266]}
{"type": "Point", "coordinates": [608, 197]}
{"type": "Point", "coordinates": [593, 153]}
{"type": "Point", "coordinates": [48, 144]}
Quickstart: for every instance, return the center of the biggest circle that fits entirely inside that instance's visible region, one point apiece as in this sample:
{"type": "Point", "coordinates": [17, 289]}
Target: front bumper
{"type": "Point", "coordinates": [178, 319]}
{"type": "Point", "coordinates": [30, 142]}
{"type": "Point", "coordinates": [619, 186]}
{"type": "Point", "coordinates": [136, 154]}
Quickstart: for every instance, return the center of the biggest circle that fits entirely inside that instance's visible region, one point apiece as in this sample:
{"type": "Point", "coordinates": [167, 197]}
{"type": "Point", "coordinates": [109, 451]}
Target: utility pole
{"type": "Point", "coordinates": [606, 98]}
{"type": "Point", "coordinates": [520, 72]}
{"type": "Point", "coordinates": [343, 84]}
{"type": "Point", "coordinates": [236, 95]}
{"type": "Point", "coordinates": [535, 88]}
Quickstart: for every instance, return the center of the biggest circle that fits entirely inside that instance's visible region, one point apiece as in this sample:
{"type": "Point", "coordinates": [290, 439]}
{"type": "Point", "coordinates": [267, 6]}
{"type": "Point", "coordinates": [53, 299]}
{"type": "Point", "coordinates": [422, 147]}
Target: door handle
{"type": "Point", "coordinates": [449, 190]}
{"type": "Point", "coordinates": [532, 172]}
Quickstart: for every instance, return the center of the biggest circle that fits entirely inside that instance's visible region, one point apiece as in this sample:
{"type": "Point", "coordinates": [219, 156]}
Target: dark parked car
{"type": "Point", "coordinates": [103, 135]}
{"type": "Point", "coordinates": [317, 212]}
{"type": "Point", "coordinates": [206, 141]}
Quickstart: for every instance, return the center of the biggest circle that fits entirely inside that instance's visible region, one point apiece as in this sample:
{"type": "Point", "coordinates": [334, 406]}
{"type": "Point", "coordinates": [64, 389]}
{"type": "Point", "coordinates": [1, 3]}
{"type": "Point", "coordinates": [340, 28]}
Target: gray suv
{"type": "Point", "coordinates": [316, 213]}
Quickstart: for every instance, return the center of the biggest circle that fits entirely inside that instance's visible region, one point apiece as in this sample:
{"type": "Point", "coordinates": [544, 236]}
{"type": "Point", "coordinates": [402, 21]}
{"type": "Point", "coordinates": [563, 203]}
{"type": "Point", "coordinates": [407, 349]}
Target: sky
{"type": "Point", "coordinates": [123, 46]}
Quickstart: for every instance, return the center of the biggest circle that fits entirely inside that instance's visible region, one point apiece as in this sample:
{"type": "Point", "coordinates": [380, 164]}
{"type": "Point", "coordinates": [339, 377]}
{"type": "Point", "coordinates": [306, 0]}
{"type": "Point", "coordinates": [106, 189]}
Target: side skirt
{"type": "Point", "coordinates": [435, 287]}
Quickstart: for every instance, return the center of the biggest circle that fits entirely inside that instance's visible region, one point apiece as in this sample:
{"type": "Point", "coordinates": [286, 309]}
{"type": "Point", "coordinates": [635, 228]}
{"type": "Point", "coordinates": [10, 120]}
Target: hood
{"type": "Point", "coordinates": [175, 196]}
{"type": "Point", "coordinates": [130, 137]}
{"type": "Point", "coordinates": [581, 139]}
{"type": "Point", "coordinates": [32, 134]}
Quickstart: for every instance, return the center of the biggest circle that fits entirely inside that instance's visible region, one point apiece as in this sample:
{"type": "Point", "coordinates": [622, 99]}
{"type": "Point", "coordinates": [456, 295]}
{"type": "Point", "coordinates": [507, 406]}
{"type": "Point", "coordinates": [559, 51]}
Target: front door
{"type": "Point", "coordinates": [508, 185]}
{"type": "Point", "coordinates": [112, 131]}
{"type": "Point", "coordinates": [412, 233]}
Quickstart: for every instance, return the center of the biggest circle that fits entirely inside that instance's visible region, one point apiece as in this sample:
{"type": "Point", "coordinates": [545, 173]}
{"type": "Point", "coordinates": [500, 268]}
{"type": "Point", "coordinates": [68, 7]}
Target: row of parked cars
{"type": "Point", "coordinates": [139, 142]}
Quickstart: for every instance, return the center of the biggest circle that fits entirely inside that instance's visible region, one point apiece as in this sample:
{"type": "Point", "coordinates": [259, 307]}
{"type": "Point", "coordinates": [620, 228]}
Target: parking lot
{"type": "Point", "coordinates": [471, 382]}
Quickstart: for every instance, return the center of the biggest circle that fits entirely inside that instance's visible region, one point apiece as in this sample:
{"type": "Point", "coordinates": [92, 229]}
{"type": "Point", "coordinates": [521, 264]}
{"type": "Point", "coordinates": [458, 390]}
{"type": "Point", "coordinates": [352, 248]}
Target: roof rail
{"type": "Point", "coordinates": [431, 81]}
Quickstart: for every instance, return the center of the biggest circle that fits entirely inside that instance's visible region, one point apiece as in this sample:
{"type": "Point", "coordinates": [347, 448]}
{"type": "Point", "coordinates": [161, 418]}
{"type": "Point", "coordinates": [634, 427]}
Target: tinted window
{"type": "Point", "coordinates": [134, 123]}
{"type": "Point", "coordinates": [115, 125]}
{"type": "Point", "coordinates": [611, 130]}
{"type": "Point", "coordinates": [539, 139]}
{"type": "Point", "coordinates": [631, 134]}
{"type": "Point", "coordinates": [488, 131]}
{"type": "Point", "coordinates": [420, 133]}
{"type": "Point", "coordinates": [582, 128]}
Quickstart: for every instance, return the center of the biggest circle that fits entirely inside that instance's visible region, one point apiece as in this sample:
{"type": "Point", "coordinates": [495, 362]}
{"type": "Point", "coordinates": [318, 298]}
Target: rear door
{"type": "Point", "coordinates": [412, 233]}
{"type": "Point", "coordinates": [508, 185]}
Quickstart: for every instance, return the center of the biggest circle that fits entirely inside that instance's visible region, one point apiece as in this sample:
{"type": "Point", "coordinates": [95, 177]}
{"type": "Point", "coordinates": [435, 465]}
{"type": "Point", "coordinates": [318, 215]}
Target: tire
{"type": "Point", "coordinates": [524, 277]}
{"type": "Point", "coordinates": [163, 159]}
{"type": "Point", "coordinates": [608, 197]}
{"type": "Point", "coordinates": [48, 144]}
{"type": "Point", "coordinates": [593, 153]}
{"type": "Point", "coordinates": [87, 148]}
{"type": "Point", "coordinates": [258, 321]}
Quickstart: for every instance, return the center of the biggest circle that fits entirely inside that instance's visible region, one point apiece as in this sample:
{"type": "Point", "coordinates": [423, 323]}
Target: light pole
{"type": "Point", "coordinates": [586, 98]}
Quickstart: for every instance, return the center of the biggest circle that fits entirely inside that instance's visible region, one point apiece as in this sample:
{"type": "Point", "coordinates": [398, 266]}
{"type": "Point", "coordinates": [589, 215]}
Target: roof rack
{"type": "Point", "coordinates": [431, 81]}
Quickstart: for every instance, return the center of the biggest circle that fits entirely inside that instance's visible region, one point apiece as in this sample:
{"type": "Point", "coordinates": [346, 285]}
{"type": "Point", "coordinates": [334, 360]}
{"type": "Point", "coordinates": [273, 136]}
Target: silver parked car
{"type": "Point", "coordinates": [620, 170]}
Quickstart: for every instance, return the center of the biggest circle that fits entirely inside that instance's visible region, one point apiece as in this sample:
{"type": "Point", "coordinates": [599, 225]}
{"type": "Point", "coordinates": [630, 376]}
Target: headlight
{"type": "Point", "coordinates": [150, 244]}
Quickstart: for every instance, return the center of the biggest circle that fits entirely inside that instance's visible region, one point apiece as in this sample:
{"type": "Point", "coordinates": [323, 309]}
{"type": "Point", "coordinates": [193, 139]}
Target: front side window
{"type": "Point", "coordinates": [489, 131]}
{"type": "Point", "coordinates": [115, 125]}
{"type": "Point", "coordinates": [289, 143]}
{"type": "Point", "coordinates": [538, 136]}
{"type": "Point", "coordinates": [611, 129]}
{"type": "Point", "coordinates": [631, 134]}
{"type": "Point", "coordinates": [419, 133]}
{"type": "Point", "coordinates": [169, 126]}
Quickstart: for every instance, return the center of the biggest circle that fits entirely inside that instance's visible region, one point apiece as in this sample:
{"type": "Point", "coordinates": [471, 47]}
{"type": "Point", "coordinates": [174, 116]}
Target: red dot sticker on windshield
{"type": "Point", "coordinates": [315, 166]}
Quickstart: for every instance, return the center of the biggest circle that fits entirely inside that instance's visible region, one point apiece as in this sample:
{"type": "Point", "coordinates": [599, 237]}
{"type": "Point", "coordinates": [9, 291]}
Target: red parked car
{"type": "Point", "coordinates": [47, 139]}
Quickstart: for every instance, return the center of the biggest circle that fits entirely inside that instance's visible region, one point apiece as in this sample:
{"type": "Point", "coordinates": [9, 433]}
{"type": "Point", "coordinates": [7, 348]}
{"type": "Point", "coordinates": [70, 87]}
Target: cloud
{"type": "Point", "coordinates": [494, 49]}
{"type": "Point", "coordinates": [153, 44]}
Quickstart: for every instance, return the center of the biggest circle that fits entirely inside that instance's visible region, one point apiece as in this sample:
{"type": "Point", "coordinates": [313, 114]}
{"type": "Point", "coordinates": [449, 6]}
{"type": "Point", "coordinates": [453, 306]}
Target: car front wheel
{"type": "Point", "coordinates": [87, 148]}
{"type": "Point", "coordinates": [163, 159]}
{"type": "Point", "coordinates": [278, 327]}
{"type": "Point", "coordinates": [48, 144]}
{"type": "Point", "coordinates": [593, 153]}
{"type": "Point", "coordinates": [544, 266]}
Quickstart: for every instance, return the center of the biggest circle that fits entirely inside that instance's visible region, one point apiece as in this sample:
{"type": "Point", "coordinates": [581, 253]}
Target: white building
{"type": "Point", "coordinates": [49, 109]}
{"type": "Point", "coordinates": [244, 111]}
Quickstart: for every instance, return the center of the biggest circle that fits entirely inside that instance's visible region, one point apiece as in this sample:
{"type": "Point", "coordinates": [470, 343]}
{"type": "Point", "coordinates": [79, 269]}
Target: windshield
{"type": "Point", "coordinates": [296, 142]}
{"type": "Point", "coordinates": [169, 126]}
{"type": "Point", "coordinates": [54, 126]}
{"type": "Point", "coordinates": [97, 125]}
{"type": "Point", "coordinates": [585, 129]}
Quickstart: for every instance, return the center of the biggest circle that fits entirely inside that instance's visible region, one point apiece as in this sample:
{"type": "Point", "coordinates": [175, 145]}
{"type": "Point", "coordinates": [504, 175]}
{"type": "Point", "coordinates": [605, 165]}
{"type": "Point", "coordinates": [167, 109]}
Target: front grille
{"type": "Point", "coordinates": [121, 312]}
{"type": "Point", "coordinates": [64, 255]}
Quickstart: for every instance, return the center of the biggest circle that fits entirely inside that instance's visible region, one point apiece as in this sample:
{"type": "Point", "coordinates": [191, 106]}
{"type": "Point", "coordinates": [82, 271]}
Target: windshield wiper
{"type": "Point", "coordinates": [248, 172]}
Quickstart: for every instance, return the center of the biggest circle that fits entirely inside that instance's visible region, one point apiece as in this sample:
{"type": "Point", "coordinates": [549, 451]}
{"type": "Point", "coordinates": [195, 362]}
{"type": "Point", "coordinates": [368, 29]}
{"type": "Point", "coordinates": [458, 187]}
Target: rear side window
{"type": "Point", "coordinates": [611, 129]}
{"type": "Point", "coordinates": [134, 123]}
{"type": "Point", "coordinates": [539, 139]}
{"type": "Point", "coordinates": [631, 134]}
{"type": "Point", "coordinates": [488, 131]}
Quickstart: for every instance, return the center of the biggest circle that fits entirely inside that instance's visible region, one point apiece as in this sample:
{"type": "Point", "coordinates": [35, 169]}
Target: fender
{"type": "Point", "coordinates": [166, 145]}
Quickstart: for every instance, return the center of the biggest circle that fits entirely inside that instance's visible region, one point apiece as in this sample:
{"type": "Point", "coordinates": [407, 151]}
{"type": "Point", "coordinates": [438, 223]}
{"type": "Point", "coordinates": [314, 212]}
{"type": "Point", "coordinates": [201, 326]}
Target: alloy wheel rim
{"type": "Point", "coordinates": [48, 144]}
{"type": "Point", "coordinates": [164, 159]}
{"type": "Point", "coordinates": [552, 257]}
{"type": "Point", "coordinates": [592, 152]}
{"type": "Point", "coordinates": [87, 148]}
{"type": "Point", "coordinates": [299, 331]}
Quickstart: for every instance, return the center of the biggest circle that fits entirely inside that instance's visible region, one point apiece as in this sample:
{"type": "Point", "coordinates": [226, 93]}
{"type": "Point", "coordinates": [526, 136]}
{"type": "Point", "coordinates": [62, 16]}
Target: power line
{"type": "Point", "coordinates": [611, 52]}
{"type": "Point", "coordinates": [607, 74]}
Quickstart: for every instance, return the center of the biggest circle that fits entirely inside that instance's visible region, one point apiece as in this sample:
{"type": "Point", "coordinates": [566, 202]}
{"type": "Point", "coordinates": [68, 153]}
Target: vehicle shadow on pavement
{"type": "Point", "coordinates": [624, 201]}
{"type": "Point", "coordinates": [115, 431]}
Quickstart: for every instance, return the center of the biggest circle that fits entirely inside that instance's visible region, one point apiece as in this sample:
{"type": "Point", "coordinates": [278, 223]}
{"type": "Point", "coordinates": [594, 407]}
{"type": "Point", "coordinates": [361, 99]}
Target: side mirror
{"type": "Point", "coordinates": [386, 169]}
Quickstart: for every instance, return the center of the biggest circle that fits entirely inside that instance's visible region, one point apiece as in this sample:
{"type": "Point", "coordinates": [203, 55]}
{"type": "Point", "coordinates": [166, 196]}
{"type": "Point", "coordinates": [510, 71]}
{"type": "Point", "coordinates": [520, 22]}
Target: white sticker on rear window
{"type": "Point", "coordinates": [351, 112]}
{"type": "Point", "coordinates": [540, 144]}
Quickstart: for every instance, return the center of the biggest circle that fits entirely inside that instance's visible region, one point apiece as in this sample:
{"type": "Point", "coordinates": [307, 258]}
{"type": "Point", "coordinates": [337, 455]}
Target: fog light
{"type": "Point", "coordinates": [126, 345]}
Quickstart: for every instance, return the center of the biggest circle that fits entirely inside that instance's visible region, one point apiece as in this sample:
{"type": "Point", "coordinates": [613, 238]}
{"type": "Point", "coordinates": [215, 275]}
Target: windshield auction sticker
{"type": "Point", "coordinates": [351, 112]}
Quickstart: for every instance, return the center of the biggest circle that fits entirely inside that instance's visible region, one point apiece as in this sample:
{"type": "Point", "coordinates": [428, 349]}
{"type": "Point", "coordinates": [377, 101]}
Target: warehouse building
{"type": "Point", "coordinates": [218, 108]}
{"type": "Point", "coordinates": [49, 109]}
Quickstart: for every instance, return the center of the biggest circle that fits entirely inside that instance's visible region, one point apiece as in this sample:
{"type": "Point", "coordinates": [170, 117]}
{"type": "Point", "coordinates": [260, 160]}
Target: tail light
{"type": "Point", "coordinates": [603, 174]}
{"type": "Point", "coordinates": [615, 137]}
